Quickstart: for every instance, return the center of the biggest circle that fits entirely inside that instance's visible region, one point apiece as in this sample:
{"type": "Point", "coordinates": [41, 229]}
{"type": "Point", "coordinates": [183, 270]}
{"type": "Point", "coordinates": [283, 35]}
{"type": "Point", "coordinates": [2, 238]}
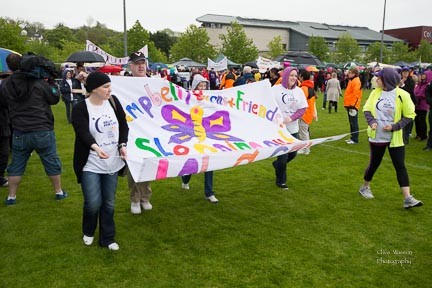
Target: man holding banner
{"type": "Point", "coordinates": [141, 192]}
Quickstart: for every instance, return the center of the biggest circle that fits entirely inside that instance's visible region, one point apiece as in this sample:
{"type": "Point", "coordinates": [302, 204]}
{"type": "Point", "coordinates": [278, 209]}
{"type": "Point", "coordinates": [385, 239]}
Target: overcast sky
{"type": "Point", "coordinates": [178, 15]}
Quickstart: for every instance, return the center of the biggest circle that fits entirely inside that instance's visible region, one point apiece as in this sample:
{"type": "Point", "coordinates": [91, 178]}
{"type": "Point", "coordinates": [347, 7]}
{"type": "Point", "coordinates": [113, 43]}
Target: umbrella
{"type": "Point", "coordinates": [300, 57]}
{"type": "Point", "coordinates": [311, 69]}
{"type": "Point", "coordinates": [252, 64]}
{"type": "Point", "coordinates": [3, 54]}
{"type": "Point", "coordinates": [85, 56]}
{"type": "Point", "coordinates": [157, 65]}
{"type": "Point", "coordinates": [110, 69]}
{"type": "Point", "coordinates": [188, 63]}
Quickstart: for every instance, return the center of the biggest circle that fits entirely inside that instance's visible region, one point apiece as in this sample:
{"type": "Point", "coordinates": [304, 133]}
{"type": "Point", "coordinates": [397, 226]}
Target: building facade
{"type": "Point", "coordinates": [412, 35]}
{"type": "Point", "coordinates": [295, 35]}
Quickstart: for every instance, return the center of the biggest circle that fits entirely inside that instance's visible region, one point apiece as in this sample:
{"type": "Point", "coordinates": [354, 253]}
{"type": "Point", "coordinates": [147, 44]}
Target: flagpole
{"type": "Point", "coordinates": [124, 29]}
{"type": "Point", "coordinates": [382, 34]}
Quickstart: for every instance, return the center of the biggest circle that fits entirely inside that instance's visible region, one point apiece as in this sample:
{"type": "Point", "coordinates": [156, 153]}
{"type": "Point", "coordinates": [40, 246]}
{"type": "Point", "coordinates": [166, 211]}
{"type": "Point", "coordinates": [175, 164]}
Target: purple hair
{"type": "Point", "coordinates": [285, 75]}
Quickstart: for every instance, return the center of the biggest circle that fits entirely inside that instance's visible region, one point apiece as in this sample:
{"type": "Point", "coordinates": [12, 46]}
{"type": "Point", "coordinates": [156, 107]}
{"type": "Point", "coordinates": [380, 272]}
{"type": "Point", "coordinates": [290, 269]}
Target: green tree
{"type": "Point", "coordinates": [425, 51]}
{"type": "Point", "coordinates": [193, 44]}
{"type": "Point", "coordinates": [373, 53]}
{"type": "Point", "coordinates": [347, 48]}
{"type": "Point", "coordinates": [138, 37]}
{"type": "Point", "coordinates": [10, 36]}
{"type": "Point", "coordinates": [318, 47]}
{"type": "Point", "coordinates": [59, 34]}
{"type": "Point", "coordinates": [275, 47]}
{"type": "Point", "coordinates": [237, 46]}
{"type": "Point", "coordinates": [163, 40]}
{"type": "Point", "coordinates": [400, 52]}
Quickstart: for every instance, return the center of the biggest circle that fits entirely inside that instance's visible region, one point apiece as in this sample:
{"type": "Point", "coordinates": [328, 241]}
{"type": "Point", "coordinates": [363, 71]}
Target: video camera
{"type": "Point", "coordinates": [37, 67]}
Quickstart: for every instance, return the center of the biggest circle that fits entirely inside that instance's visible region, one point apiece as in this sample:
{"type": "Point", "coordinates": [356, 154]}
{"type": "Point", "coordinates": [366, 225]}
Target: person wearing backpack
{"type": "Point", "coordinates": [387, 110]}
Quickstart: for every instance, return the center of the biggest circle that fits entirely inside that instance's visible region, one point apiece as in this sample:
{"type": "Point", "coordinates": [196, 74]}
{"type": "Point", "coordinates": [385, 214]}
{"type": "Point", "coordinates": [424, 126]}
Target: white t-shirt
{"type": "Point", "coordinates": [384, 115]}
{"type": "Point", "coordinates": [289, 101]}
{"type": "Point", "coordinates": [104, 127]}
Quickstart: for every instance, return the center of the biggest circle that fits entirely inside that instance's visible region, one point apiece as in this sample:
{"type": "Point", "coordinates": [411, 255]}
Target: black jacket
{"type": "Point", "coordinates": [4, 114]}
{"type": "Point", "coordinates": [83, 138]}
{"type": "Point", "coordinates": [29, 101]}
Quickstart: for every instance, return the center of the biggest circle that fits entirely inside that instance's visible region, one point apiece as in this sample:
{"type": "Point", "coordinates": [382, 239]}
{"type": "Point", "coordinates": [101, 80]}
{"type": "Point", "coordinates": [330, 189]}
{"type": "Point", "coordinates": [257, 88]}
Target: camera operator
{"type": "Point", "coordinates": [29, 94]}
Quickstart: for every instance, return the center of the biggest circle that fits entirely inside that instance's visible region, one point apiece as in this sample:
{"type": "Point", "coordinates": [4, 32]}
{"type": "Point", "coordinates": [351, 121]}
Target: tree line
{"type": "Point", "coordinates": [167, 46]}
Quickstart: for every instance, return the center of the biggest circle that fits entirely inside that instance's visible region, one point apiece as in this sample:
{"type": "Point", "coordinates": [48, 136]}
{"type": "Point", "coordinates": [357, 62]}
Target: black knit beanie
{"type": "Point", "coordinates": [95, 80]}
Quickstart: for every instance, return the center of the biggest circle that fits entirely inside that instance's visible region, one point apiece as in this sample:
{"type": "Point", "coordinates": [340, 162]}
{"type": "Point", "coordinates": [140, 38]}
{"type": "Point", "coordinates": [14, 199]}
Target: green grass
{"type": "Point", "coordinates": [319, 233]}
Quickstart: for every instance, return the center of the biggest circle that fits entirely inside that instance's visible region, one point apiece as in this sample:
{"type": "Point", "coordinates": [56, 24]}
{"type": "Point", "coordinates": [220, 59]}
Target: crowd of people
{"type": "Point", "coordinates": [399, 101]}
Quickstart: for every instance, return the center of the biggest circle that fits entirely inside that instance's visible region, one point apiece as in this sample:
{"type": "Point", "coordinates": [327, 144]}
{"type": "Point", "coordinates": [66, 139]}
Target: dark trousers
{"type": "Point", "coordinates": [407, 132]}
{"type": "Point", "coordinates": [4, 154]}
{"type": "Point", "coordinates": [420, 124]}
{"type": "Point", "coordinates": [397, 155]}
{"type": "Point", "coordinates": [280, 165]}
{"type": "Point", "coordinates": [354, 128]}
{"type": "Point", "coordinates": [208, 182]}
{"type": "Point", "coordinates": [332, 104]}
{"type": "Point", "coordinates": [429, 142]}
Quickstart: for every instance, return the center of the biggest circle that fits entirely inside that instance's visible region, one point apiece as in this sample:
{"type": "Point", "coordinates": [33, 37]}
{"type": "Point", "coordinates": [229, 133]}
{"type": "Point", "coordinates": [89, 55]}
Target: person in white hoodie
{"type": "Point", "coordinates": [200, 83]}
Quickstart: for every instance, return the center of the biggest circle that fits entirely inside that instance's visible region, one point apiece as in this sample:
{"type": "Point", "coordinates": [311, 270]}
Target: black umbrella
{"type": "Point", "coordinates": [252, 64]}
{"type": "Point", "coordinates": [85, 56]}
{"type": "Point", "coordinates": [300, 57]}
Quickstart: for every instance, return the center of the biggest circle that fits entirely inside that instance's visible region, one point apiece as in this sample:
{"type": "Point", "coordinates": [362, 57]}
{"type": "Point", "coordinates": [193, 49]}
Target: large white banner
{"type": "Point", "coordinates": [217, 66]}
{"type": "Point", "coordinates": [264, 64]}
{"type": "Point", "coordinates": [175, 132]}
{"type": "Point", "coordinates": [90, 46]}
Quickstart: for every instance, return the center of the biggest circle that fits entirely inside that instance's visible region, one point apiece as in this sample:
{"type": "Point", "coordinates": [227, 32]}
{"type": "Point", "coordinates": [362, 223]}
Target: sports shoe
{"type": "Point", "coordinates": [4, 182]}
{"type": "Point", "coordinates": [88, 240]}
{"type": "Point", "coordinates": [351, 142]}
{"type": "Point", "coordinates": [212, 199]}
{"type": "Point", "coordinates": [61, 196]}
{"type": "Point", "coordinates": [412, 202]}
{"type": "Point", "coordinates": [282, 186]}
{"type": "Point", "coordinates": [348, 140]}
{"type": "Point", "coordinates": [135, 208]}
{"type": "Point", "coordinates": [366, 192]}
{"type": "Point", "coordinates": [185, 186]}
{"type": "Point", "coordinates": [303, 151]}
{"type": "Point", "coordinates": [146, 205]}
{"type": "Point", "coordinates": [9, 202]}
{"type": "Point", "coordinates": [113, 246]}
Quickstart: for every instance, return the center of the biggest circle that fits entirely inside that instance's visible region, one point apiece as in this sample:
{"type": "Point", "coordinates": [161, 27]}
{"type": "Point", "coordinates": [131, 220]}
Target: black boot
{"type": "Point", "coordinates": [330, 105]}
{"type": "Point", "coordinates": [335, 106]}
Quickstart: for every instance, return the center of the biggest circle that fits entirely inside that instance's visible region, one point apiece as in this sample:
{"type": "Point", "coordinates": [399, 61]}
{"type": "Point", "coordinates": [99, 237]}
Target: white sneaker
{"type": "Point", "coordinates": [88, 240]}
{"type": "Point", "coordinates": [366, 192]}
{"type": "Point", "coordinates": [212, 199]}
{"type": "Point", "coordinates": [135, 208]}
{"type": "Point", "coordinates": [146, 205]}
{"type": "Point", "coordinates": [303, 151]}
{"type": "Point", "coordinates": [113, 246]}
{"type": "Point", "coordinates": [185, 186]}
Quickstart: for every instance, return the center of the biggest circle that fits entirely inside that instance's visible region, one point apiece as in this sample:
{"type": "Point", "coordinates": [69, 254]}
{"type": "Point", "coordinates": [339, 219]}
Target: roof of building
{"type": "Point", "coordinates": [306, 28]}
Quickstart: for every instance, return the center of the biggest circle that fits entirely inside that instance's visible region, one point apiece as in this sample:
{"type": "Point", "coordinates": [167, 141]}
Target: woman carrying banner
{"type": "Point", "coordinates": [387, 110]}
{"type": "Point", "coordinates": [292, 103]}
{"type": "Point", "coordinates": [200, 83]}
{"type": "Point", "coordinates": [101, 134]}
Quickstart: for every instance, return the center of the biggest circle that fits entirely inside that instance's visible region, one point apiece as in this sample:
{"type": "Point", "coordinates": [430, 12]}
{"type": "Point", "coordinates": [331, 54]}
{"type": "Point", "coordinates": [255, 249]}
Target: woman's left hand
{"type": "Point", "coordinates": [388, 128]}
{"type": "Point", "coordinates": [123, 153]}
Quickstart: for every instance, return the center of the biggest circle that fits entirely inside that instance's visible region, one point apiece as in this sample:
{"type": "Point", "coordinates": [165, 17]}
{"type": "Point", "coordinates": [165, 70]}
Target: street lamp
{"type": "Point", "coordinates": [124, 29]}
{"type": "Point", "coordinates": [382, 34]}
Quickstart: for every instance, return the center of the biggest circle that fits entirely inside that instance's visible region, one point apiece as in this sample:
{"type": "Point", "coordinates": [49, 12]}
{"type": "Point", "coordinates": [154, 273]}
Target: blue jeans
{"type": "Point", "coordinates": [43, 142]}
{"type": "Point", "coordinates": [354, 127]}
{"type": "Point", "coordinates": [280, 165]}
{"type": "Point", "coordinates": [99, 199]}
{"type": "Point", "coordinates": [208, 182]}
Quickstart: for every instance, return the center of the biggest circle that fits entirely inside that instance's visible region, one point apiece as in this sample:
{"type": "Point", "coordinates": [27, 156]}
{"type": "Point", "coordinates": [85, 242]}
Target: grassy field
{"type": "Point", "coordinates": [319, 233]}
